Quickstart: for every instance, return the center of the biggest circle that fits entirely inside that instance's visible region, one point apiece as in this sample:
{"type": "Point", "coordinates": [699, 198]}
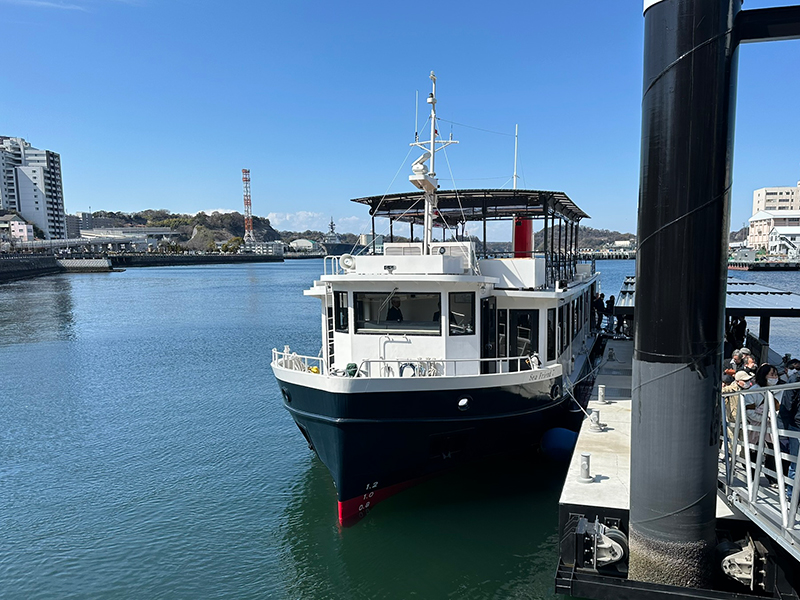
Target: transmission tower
{"type": "Point", "coordinates": [249, 237]}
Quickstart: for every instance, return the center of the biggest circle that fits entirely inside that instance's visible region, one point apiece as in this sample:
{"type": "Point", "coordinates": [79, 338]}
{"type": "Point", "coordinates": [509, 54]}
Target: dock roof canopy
{"type": "Point", "coordinates": [456, 206]}
{"type": "Point", "coordinates": [743, 299]}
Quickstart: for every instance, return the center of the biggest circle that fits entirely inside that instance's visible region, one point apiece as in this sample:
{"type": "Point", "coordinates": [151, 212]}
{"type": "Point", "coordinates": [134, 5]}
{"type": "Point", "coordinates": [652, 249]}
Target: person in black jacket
{"type": "Point", "coordinates": [790, 419]}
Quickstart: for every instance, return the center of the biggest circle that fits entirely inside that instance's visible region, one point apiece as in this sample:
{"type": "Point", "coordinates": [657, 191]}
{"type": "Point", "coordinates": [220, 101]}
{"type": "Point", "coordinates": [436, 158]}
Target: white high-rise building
{"type": "Point", "coordinates": [772, 199]}
{"type": "Point", "coordinates": [30, 184]}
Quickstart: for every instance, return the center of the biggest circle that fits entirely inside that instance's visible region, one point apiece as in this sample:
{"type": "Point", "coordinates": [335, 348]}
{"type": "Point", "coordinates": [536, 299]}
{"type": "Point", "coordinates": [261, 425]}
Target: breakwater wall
{"type": "Point", "coordinates": [174, 260]}
{"type": "Point", "coordinates": [84, 265]}
{"type": "Point", "coordinates": [764, 265]}
{"type": "Point", "coordinates": [23, 267]}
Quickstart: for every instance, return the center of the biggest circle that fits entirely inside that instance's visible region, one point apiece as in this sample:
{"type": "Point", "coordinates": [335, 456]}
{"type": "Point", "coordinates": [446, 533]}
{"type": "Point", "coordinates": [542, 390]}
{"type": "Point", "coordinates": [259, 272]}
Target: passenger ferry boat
{"type": "Point", "coordinates": [434, 353]}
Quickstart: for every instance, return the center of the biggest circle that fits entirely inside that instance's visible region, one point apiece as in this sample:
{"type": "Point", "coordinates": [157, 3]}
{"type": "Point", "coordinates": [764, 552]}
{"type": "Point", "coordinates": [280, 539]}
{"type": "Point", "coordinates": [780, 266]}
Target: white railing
{"type": "Point", "coordinates": [409, 367]}
{"type": "Point", "coordinates": [331, 266]}
{"type": "Point", "coordinates": [751, 450]}
{"type": "Point", "coordinates": [296, 362]}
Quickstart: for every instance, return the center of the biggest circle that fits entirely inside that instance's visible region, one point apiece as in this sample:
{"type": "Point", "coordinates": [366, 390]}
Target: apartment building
{"type": "Point", "coordinates": [30, 184]}
{"type": "Point", "coordinates": [776, 198]}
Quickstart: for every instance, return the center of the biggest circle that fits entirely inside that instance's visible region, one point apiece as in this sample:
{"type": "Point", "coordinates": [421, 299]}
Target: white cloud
{"type": "Point", "coordinates": [44, 4]}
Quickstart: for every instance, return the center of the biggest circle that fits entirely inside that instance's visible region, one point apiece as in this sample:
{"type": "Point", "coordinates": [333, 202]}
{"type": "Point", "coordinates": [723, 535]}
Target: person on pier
{"type": "Point", "coordinates": [735, 364]}
{"type": "Point", "coordinates": [790, 419]}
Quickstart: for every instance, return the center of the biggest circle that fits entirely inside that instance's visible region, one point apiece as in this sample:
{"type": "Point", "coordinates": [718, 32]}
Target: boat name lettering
{"type": "Point", "coordinates": [540, 375]}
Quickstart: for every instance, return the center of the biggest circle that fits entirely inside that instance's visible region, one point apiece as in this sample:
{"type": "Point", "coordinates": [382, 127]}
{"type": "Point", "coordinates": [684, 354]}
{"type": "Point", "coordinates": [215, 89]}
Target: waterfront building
{"type": "Point", "coordinates": [86, 219]}
{"type": "Point", "coordinates": [785, 241]}
{"type": "Point", "coordinates": [271, 248]}
{"type": "Point", "coordinates": [14, 228]}
{"type": "Point", "coordinates": [302, 245]}
{"type": "Point", "coordinates": [30, 184]}
{"type": "Point", "coordinates": [764, 221]}
{"type": "Point", "coordinates": [365, 239]}
{"type": "Point", "coordinates": [776, 198]}
{"type": "Point", "coordinates": [73, 226]}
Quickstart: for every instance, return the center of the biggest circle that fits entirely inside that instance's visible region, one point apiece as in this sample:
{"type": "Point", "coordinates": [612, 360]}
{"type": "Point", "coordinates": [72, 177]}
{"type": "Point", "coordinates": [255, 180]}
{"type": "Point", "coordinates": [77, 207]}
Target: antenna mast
{"type": "Point", "coordinates": [249, 237]}
{"type": "Point", "coordinates": [425, 179]}
{"type": "Point", "coordinates": [516, 145]}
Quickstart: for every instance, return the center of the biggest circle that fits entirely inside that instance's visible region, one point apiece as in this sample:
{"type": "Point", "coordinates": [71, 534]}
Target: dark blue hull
{"type": "Point", "coordinates": [376, 443]}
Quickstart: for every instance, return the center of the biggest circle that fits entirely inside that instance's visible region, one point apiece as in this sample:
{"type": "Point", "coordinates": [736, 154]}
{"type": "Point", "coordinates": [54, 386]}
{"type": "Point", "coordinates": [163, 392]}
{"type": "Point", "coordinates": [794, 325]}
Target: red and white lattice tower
{"type": "Point", "coordinates": [249, 237]}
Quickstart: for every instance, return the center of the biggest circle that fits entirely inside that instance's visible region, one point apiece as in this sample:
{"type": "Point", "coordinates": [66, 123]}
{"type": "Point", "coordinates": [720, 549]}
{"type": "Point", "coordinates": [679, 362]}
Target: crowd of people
{"type": "Point", "coordinates": [742, 373]}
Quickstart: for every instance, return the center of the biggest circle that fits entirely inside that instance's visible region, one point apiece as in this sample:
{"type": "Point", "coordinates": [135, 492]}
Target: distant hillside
{"type": "Point", "coordinates": [738, 236]}
{"type": "Point", "coordinates": [196, 232]}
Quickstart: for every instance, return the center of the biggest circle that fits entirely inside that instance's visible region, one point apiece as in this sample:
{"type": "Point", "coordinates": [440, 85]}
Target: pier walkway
{"type": "Point", "coordinates": [739, 497]}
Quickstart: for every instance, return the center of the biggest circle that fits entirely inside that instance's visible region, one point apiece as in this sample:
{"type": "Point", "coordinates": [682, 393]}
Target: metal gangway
{"type": "Point", "coordinates": [754, 470]}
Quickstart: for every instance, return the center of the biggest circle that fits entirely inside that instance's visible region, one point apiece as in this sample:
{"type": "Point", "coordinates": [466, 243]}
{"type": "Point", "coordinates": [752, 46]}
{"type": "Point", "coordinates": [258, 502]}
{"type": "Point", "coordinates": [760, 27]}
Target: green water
{"type": "Point", "coordinates": [144, 453]}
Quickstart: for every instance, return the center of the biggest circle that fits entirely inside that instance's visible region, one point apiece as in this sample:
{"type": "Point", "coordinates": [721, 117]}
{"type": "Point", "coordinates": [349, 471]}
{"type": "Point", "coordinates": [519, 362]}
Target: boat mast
{"type": "Point", "coordinates": [516, 145]}
{"type": "Point", "coordinates": [425, 179]}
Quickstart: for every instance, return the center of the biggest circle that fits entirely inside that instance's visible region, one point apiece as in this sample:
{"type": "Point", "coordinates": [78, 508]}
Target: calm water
{"type": "Point", "coordinates": [144, 453]}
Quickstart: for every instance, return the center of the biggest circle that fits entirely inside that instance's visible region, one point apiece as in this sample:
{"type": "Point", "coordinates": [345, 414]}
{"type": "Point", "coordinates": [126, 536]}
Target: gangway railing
{"type": "Point", "coordinates": [758, 477]}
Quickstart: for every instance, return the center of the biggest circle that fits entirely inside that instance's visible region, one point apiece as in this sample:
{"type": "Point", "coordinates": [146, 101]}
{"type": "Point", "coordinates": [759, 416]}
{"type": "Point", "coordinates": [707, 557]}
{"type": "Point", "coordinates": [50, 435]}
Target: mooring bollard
{"type": "Point", "coordinates": [585, 476]}
{"type": "Point", "coordinates": [601, 394]}
{"type": "Point", "coordinates": [594, 422]}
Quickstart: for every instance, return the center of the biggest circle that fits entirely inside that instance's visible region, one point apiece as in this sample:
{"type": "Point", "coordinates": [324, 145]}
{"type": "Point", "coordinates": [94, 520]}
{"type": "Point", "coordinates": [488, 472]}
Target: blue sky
{"type": "Point", "coordinates": [160, 104]}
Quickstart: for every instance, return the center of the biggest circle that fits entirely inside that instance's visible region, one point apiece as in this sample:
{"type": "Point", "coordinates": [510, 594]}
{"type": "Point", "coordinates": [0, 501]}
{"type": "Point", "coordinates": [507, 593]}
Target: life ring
{"type": "Point", "coordinates": [347, 261]}
{"type": "Point", "coordinates": [411, 366]}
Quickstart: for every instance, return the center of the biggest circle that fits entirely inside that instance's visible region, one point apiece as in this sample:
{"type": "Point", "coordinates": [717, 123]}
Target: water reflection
{"type": "Point", "coordinates": [480, 532]}
{"type": "Point", "coordinates": [35, 310]}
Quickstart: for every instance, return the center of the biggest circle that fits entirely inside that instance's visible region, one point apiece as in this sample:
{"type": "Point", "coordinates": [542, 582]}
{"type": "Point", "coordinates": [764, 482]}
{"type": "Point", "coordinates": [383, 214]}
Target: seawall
{"type": "Point", "coordinates": [23, 267]}
{"type": "Point", "coordinates": [173, 260]}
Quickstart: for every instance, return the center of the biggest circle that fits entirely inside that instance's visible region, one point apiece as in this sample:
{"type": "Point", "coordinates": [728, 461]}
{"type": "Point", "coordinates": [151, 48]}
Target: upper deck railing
{"type": "Point", "coordinates": [410, 367]}
{"type": "Point", "coordinates": [755, 470]}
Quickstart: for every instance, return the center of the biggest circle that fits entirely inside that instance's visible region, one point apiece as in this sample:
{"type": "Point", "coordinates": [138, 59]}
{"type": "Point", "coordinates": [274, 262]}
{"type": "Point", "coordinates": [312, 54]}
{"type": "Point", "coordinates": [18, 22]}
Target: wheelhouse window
{"type": "Point", "coordinates": [398, 312]}
{"type": "Point", "coordinates": [551, 334]}
{"type": "Point", "coordinates": [342, 318]}
{"type": "Point", "coordinates": [462, 313]}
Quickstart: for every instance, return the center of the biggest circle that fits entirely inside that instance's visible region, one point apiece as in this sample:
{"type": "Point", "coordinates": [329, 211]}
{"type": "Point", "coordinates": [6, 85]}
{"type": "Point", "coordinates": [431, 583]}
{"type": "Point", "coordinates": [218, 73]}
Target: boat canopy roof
{"type": "Point", "coordinates": [743, 299]}
{"type": "Point", "coordinates": [456, 206]}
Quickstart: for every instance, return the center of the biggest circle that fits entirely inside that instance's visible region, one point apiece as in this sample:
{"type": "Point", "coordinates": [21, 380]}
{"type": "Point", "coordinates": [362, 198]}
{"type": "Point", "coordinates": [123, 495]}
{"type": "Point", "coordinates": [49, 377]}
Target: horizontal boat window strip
{"type": "Point", "coordinates": [410, 313]}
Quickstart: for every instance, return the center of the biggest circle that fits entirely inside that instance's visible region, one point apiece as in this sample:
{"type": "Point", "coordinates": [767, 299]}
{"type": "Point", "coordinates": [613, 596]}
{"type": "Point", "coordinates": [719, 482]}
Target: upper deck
{"type": "Point", "coordinates": [559, 215]}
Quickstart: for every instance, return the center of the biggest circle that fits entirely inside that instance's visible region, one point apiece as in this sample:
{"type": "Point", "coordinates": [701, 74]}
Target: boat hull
{"type": "Point", "coordinates": [377, 443]}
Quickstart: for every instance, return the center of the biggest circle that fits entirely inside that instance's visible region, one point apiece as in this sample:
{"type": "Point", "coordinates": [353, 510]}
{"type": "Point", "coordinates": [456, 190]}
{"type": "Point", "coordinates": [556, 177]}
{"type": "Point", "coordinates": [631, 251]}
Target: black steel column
{"type": "Point", "coordinates": [688, 106]}
{"type": "Point", "coordinates": [391, 230]}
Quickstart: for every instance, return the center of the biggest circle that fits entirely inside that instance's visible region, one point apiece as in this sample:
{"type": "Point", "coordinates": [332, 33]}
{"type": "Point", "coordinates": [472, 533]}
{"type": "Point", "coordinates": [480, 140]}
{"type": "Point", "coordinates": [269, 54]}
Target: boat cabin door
{"type": "Point", "coordinates": [489, 334]}
{"type": "Point", "coordinates": [523, 337]}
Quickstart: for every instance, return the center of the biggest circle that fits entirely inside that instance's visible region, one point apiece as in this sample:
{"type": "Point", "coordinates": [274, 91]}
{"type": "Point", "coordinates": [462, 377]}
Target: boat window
{"type": "Point", "coordinates": [398, 312]}
{"type": "Point", "coordinates": [502, 329]}
{"type": "Point", "coordinates": [551, 334]}
{"type": "Point", "coordinates": [342, 320]}
{"type": "Point", "coordinates": [462, 313]}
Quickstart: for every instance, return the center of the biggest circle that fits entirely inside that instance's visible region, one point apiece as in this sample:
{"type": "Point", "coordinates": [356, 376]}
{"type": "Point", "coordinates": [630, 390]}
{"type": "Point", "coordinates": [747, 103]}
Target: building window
{"type": "Point", "coordinates": [462, 313]}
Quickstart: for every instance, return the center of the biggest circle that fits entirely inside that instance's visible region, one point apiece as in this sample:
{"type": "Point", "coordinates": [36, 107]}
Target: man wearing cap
{"type": "Point", "coordinates": [736, 364]}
